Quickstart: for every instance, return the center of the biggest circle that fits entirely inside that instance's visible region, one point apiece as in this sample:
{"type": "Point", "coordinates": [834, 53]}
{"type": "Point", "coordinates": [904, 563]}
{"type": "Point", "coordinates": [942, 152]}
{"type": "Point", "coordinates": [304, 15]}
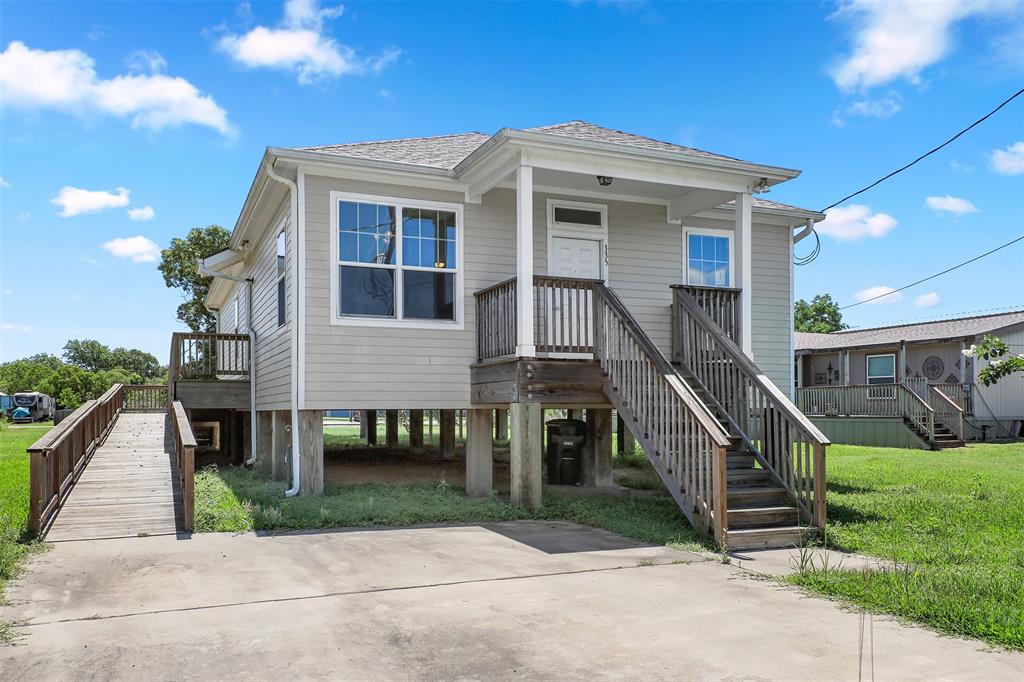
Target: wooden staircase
{"type": "Point", "coordinates": [945, 438]}
{"type": "Point", "coordinates": [753, 480]}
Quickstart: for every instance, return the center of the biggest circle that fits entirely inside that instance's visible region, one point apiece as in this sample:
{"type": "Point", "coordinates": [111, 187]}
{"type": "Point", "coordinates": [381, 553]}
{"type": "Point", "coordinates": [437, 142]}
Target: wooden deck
{"type": "Point", "coordinates": [129, 488]}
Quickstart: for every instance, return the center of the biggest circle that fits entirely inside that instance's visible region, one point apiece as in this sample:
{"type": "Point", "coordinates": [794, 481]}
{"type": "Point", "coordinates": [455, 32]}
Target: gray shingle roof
{"type": "Point", "coordinates": [446, 151]}
{"type": "Point", "coordinates": [923, 331]}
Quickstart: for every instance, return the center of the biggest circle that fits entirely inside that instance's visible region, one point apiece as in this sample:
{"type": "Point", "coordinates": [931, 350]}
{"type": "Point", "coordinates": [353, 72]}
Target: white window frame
{"type": "Point", "coordinates": [710, 232]}
{"type": "Point", "coordinates": [867, 368]}
{"type": "Point", "coordinates": [577, 230]}
{"type": "Point", "coordinates": [281, 302]}
{"type": "Point", "coordinates": [397, 321]}
{"type": "Point", "coordinates": [234, 300]}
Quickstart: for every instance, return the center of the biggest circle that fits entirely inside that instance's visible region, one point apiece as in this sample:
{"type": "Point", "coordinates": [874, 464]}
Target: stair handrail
{"type": "Point", "coordinates": [792, 450]}
{"type": "Point", "coordinates": [914, 408]}
{"type": "Point", "coordinates": [684, 442]}
{"type": "Point", "coordinates": [185, 454]}
{"type": "Point", "coordinates": [946, 410]}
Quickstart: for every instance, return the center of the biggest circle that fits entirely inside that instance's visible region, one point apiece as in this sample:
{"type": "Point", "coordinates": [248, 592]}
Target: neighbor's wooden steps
{"type": "Point", "coordinates": [128, 488]}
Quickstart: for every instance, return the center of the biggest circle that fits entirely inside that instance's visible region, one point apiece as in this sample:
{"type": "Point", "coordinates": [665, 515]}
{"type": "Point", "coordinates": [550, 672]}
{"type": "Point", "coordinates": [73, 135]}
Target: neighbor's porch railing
{"type": "Point", "coordinates": [960, 394]}
{"type": "Point", "coordinates": [869, 400]}
{"type": "Point", "coordinates": [947, 412]}
{"type": "Point", "coordinates": [563, 317]}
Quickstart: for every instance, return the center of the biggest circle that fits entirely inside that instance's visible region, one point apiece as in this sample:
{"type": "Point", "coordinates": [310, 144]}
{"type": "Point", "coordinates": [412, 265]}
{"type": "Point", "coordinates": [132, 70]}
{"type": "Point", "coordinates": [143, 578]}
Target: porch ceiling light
{"type": "Point", "coordinates": [604, 180]}
{"type": "Point", "coordinates": [762, 187]}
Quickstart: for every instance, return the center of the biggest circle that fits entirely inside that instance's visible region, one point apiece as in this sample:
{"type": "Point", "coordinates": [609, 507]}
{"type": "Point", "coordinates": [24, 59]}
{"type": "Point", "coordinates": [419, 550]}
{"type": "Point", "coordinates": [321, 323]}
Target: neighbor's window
{"type": "Point", "coordinates": [396, 262]}
{"type": "Point", "coordinates": [707, 260]}
{"type": "Point", "coordinates": [881, 369]}
{"type": "Point", "coordinates": [280, 278]}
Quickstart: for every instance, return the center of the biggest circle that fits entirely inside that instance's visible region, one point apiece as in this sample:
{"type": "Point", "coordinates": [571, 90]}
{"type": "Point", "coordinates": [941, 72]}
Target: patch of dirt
{"type": "Point", "coordinates": [402, 467]}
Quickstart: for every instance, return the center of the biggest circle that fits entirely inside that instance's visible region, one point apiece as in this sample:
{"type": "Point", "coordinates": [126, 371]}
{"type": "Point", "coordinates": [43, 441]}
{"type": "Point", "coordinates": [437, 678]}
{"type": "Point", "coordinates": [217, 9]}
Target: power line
{"type": "Point", "coordinates": [929, 152]}
{"type": "Point", "coordinates": [937, 274]}
{"type": "Point", "coordinates": [804, 260]}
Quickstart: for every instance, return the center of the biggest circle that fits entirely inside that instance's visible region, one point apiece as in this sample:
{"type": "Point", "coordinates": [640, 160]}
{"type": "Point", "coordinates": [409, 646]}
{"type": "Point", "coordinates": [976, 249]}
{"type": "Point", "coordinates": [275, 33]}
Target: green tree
{"type": "Point", "coordinates": [24, 375]}
{"type": "Point", "coordinates": [88, 354]}
{"type": "Point", "coordinates": [134, 360]}
{"type": "Point", "coordinates": [1001, 362]}
{"type": "Point", "coordinates": [821, 315]}
{"type": "Point", "coordinates": [179, 266]}
{"type": "Point", "coordinates": [71, 385]}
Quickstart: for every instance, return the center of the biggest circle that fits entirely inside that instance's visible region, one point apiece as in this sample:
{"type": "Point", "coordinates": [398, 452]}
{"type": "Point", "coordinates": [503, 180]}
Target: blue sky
{"type": "Point", "coordinates": [169, 106]}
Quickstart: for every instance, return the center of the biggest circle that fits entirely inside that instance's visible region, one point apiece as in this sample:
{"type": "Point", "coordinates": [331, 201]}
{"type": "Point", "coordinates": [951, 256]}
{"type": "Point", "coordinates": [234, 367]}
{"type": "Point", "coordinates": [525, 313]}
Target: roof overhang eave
{"type": "Point", "coordinates": [523, 138]}
{"type": "Point", "coordinates": [300, 155]}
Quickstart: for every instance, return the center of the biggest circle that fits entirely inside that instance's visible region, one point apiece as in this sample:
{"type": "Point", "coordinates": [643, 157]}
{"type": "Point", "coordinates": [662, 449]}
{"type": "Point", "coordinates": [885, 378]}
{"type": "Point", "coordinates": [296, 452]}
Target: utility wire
{"type": "Point", "coordinates": [928, 153]}
{"type": "Point", "coordinates": [804, 260]}
{"type": "Point", "coordinates": [937, 274]}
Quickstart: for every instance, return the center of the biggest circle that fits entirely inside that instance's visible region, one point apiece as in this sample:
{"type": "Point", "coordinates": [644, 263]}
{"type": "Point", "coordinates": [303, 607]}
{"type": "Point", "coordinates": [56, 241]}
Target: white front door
{"type": "Point", "coordinates": [581, 259]}
{"type": "Point", "coordinates": [572, 257]}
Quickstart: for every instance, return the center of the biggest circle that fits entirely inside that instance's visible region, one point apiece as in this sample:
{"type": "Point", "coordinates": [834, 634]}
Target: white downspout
{"type": "Point", "coordinates": [804, 232]}
{"type": "Point", "coordinates": [252, 355]}
{"type": "Point", "coordinates": [293, 193]}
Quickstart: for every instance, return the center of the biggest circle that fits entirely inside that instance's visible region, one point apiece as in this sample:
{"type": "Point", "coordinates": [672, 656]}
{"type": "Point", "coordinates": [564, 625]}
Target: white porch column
{"type": "Point", "coordinates": [524, 262]}
{"type": "Point", "coordinates": [744, 269]}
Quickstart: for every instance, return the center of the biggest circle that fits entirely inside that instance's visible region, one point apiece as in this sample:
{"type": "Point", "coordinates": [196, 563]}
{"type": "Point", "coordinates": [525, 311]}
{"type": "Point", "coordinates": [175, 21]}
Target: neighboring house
{"type": "Point", "coordinates": [881, 386]}
{"type": "Point", "coordinates": [560, 266]}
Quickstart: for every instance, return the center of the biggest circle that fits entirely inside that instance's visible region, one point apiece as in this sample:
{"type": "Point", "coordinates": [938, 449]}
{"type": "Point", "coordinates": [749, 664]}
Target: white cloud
{"type": "Point", "coordinates": [879, 294]}
{"type": "Point", "coordinates": [854, 222]}
{"type": "Point", "coordinates": [3, 182]}
{"type": "Point", "coordinates": [139, 249]}
{"type": "Point", "coordinates": [899, 38]}
{"type": "Point", "coordinates": [7, 327]}
{"type": "Point", "coordinates": [299, 43]}
{"type": "Point", "coordinates": [74, 201]}
{"type": "Point", "coordinates": [1009, 161]}
{"type": "Point", "coordinates": [66, 80]}
{"type": "Point", "coordinates": [145, 61]}
{"type": "Point", "coordinates": [927, 300]}
{"type": "Point", "coordinates": [144, 213]}
{"type": "Point", "coordinates": [882, 107]}
{"type": "Point", "coordinates": [948, 204]}
{"type": "Point", "coordinates": [8, 292]}
{"type": "Point", "coordinates": [958, 167]}
{"type": "Point", "coordinates": [91, 261]}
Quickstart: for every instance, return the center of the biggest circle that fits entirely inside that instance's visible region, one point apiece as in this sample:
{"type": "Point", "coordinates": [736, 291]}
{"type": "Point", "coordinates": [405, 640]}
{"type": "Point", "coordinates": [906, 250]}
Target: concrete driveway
{"type": "Point", "coordinates": [500, 601]}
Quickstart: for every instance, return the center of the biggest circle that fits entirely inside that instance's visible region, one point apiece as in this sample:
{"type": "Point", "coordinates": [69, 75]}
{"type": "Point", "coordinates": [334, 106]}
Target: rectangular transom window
{"type": "Point", "coordinates": [881, 369]}
{"type": "Point", "coordinates": [397, 261]}
{"type": "Point", "coordinates": [577, 216]}
{"type": "Point", "coordinates": [707, 260]}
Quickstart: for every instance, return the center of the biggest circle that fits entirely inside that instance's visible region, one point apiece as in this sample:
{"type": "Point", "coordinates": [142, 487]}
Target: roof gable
{"type": "Point", "coordinates": [923, 331]}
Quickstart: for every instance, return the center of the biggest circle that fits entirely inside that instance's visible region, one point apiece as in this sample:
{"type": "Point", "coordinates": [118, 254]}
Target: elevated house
{"type": "Point", "coordinates": [563, 266]}
{"type": "Point", "coordinates": [909, 385]}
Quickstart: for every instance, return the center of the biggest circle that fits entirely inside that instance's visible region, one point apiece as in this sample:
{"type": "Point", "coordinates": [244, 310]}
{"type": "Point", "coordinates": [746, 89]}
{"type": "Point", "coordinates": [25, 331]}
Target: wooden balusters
{"type": "Point", "coordinates": [496, 320]}
{"type": "Point", "coordinates": [721, 304]}
{"type": "Point", "coordinates": [783, 440]}
{"type": "Point", "coordinates": [209, 356]}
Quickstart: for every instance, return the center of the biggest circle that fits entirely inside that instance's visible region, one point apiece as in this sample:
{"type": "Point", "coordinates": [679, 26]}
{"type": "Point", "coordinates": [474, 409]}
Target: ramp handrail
{"type": "Point", "coordinates": [185, 452]}
{"type": "Point", "coordinates": [785, 442]}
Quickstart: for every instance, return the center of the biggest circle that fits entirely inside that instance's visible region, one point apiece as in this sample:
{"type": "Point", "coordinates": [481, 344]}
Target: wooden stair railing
{"type": "Point", "coordinates": [683, 441]}
{"type": "Point", "coordinates": [722, 305]}
{"type": "Point", "coordinates": [946, 411]}
{"type": "Point", "coordinates": [783, 440]}
{"type": "Point", "coordinates": [870, 400]}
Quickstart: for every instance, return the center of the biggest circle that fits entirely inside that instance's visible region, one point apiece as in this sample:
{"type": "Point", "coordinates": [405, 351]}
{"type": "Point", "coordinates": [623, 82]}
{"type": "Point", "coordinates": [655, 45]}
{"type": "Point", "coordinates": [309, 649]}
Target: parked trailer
{"type": "Point", "coordinates": [38, 405]}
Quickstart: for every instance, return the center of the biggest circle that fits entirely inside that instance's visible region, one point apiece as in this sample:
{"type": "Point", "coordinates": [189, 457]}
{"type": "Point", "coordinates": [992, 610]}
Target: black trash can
{"type": "Point", "coordinates": [565, 451]}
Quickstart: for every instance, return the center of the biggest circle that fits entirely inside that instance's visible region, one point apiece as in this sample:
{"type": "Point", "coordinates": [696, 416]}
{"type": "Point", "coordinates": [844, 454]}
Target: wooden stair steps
{"type": "Point", "coordinates": [756, 496]}
{"type": "Point", "coordinates": [748, 477]}
{"type": "Point", "coordinates": [767, 538]}
{"type": "Point", "coordinates": [763, 517]}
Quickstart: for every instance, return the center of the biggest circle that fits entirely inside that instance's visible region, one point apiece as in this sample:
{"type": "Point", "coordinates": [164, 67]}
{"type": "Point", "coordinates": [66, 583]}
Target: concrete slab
{"type": "Point", "coordinates": [502, 601]}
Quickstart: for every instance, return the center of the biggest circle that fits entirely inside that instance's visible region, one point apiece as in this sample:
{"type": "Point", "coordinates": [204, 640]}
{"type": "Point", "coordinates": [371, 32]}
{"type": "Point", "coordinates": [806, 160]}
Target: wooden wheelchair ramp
{"type": "Point", "coordinates": [130, 486]}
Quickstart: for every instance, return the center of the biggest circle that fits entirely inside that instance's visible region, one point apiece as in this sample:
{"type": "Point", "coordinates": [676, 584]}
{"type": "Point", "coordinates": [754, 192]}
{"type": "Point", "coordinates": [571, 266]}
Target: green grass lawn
{"type": "Point", "coordinates": [15, 540]}
{"type": "Point", "coordinates": [953, 521]}
{"type": "Point", "coordinates": [234, 499]}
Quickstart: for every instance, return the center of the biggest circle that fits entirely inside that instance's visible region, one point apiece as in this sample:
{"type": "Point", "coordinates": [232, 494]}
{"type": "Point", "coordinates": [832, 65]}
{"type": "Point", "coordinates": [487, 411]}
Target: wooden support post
{"type": "Point", "coordinates": [501, 424]}
{"type": "Point", "coordinates": [627, 444]}
{"type": "Point", "coordinates": [370, 417]}
{"type": "Point", "coordinates": [416, 429]}
{"type": "Point", "coordinates": [265, 442]}
{"type": "Point", "coordinates": [820, 510]}
{"type": "Point", "coordinates": [281, 441]}
{"type": "Point", "coordinates": [597, 456]}
{"type": "Point", "coordinates": [391, 428]}
{"type": "Point", "coordinates": [460, 419]}
{"type": "Point", "coordinates": [526, 425]}
{"type": "Point", "coordinates": [479, 454]}
{"type": "Point", "coordinates": [447, 434]}
{"type": "Point", "coordinates": [311, 449]}
{"type": "Point", "coordinates": [362, 424]}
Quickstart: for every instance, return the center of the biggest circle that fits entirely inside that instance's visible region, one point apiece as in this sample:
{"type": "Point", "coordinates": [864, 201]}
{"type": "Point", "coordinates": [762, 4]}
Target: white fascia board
{"type": "Point", "coordinates": [342, 169]}
{"type": "Point", "coordinates": [765, 215]}
{"type": "Point", "coordinates": [223, 259]}
{"type": "Point", "coordinates": [336, 160]}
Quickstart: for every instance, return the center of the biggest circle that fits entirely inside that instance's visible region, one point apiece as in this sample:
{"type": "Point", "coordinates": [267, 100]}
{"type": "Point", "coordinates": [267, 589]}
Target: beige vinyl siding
{"type": "Point", "coordinates": [226, 315]}
{"type": "Point", "coordinates": [772, 305]}
{"type": "Point", "coordinates": [356, 367]}
{"type": "Point", "coordinates": [948, 353]}
{"type": "Point", "coordinates": [818, 364]}
{"type": "Point", "coordinates": [273, 343]}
